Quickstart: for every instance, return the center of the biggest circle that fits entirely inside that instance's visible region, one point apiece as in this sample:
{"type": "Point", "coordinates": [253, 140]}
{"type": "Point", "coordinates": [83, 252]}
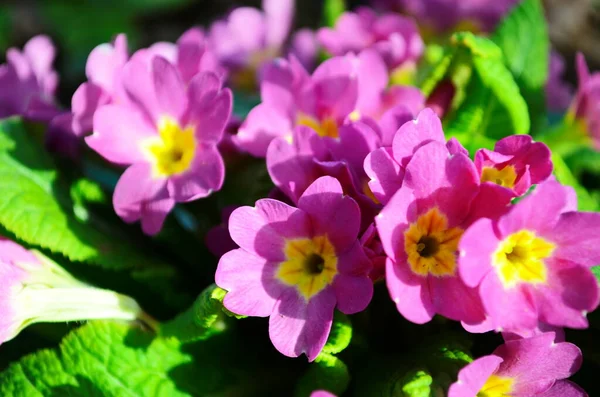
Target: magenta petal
{"type": "Point", "coordinates": [209, 107]}
{"type": "Point", "coordinates": [264, 228]}
{"type": "Point", "coordinates": [135, 187]}
{"type": "Point", "coordinates": [297, 327]}
{"type": "Point", "coordinates": [409, 292]}
{"type": "Point", "coordinates": [249, 282]}
{"type": "Point", "coordinates": [537, 362]}
{"type": "Point", "coordinates": [385, 173]}
{"type": "Point", "coordinates": [492, 201]}
{"type": "Point", "coordinates": [569, 294]}
{"type": "Point", "coordinates": [139, 85]}
{"type": "Point", "coordinates": [393, 220]}
{"type": "Point", "coordinates": [336, 85]}
{"type": "Point", "coordinates": [577, 237]}
{"type": "Point", "coordinates": [332, 212]}
{"type": "Point", "coordinates": [119, 133]}
{"type": "Point", "coordinates": [472, 377]}
{"type": "Point", "coordinates": [539, 211]}
{"type": "Point", "coordinates": [169, 89]}
{"type": "Point", "coordinates": [154, 212]}
{"type": "Point", "coordinates": [353, 288]}
{"type": "Point", "coordinates": [510, 309]}
{"type": "Point", "coordinates": [426, 128]}
{"type": "Point", "coordinates": [206, 175]}
{"type": "Point", "coordinates": [477, 245]}
{"type": "Point", "coordinates": [453, 299]}
{"type": "Point", "coordinates": [86, 100]}
{"type": "Point", "coordinates": [279, 15]}
{"type": "Point", "coordinates": [353, 293]}
{"type": "Point", "coordinates": [260, 127]}
{"type": "Point", "coordinates": [104, 62]}
{"type": "Point", "coordinates": [564, 388]}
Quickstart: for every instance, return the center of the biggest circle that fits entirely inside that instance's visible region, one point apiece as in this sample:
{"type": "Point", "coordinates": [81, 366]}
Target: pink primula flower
{"type": "Point", "coordinates": [296, 265]}
{"type": "Point", "coordinates": [386, 166]}
{"type": "Point", "coordinates": [420, 229]}
{"type": "Point", "coordinates": [533, 367]}
{"type": "Point", "coordinates": [394, 37]}
{"type": "Point", "coordinates": [167, 134]}
{"type": "Point", "coordinates": [516, 163]}
{"type": "Point", "coordinates": [29, 82]}
{"type": "Point", "coordinates": [533, 264]}
{"type": "Point", "coordinates": [248, 38]}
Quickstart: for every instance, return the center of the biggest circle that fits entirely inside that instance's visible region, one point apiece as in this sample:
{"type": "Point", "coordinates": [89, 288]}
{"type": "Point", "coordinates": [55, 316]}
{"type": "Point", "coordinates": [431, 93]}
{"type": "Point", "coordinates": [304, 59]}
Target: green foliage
{"type": "Point", "coordinates": [434, 67]}
{"type": "Point", "coordinates": [493, 105]}
{"type": "Point", "coordinates": [416, 383]}
{"type": "Point", "coordinates": [327, 373]}
{"type": "Point", "coordinates": [596, 271]}
{"type": "Point", "coordinates": [115, 359]}
{"type": "Point", "coordinates": [42, 210]}
{"type": "Point", "coordinates": [332, 9]}
{"type": "Point", "coordinates": [340, 335]}
{"type": "Point", "coordinates": [523, 39]}
{"type": "Point", "coordinates": [201, 321]}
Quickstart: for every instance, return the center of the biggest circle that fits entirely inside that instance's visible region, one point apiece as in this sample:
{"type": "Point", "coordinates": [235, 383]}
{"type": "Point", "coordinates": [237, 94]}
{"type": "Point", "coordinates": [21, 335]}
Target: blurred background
{"type": "Point", "coordinates": [77, 26]}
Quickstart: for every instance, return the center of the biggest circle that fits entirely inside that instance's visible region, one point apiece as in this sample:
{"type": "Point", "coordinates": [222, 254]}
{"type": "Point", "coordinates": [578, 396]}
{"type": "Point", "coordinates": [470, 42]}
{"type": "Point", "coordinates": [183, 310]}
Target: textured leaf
{"type": "Point", "coordinates": [340, 335]}
{"type": "Point", "coordinates": [114, 359]}
{"type": "Point", "coordinates": [41, 210]}
{"type": "Point", "coordinates": [436, 64]}
{"type": "Point", "coordinates": [527, 59]}
{"type": "Point", "coordinates": [204, 319]}
{"type": "Point", "coordinates": [327, 373]}
{"type": "Point", "coordinates": [494, 76]}
{"type": "Point", "coordinates": [416, 384]}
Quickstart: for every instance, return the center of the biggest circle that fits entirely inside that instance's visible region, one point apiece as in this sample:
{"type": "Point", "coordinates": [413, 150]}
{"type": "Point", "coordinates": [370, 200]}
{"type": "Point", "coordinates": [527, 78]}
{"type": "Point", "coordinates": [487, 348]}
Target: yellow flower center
{"type": "Point", "coordinates": [431, 246]}
{"type": "Point", "coordinates": [504, 177]}
{"type": "Point", "coordinates": [520, 258]}
{"type": "Point", "coordinates": [496, 386]}
{"type": "Point", "coordinates": [310, 266]}
{"type": "Point", "coordinates": [173, 151]}
{"type": "Point", "coordinates": [326, 127]}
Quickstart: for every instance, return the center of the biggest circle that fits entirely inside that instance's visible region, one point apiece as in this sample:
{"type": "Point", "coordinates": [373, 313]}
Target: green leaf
{"type": "Point", "coordinates": [204, 319]}
{"type": "Point", "coordinates": [327, 373]}
{"type": "Point", "coordinates": [434, 67]}
{"type": "Point", "coordinates": [585, 202]}
{"type": "Point", "coordinates": [503, 93]}
{"type": "Point", "coordinates": [417, 383]}
{"type": "Point", "coordinates": [243, 103]}
{"type": "Point", "coordinates": [340, 335]}
{"type": "Point", "coordinates": [527, 59]}
{"type": "Point", "coordinates": [332, 9]}
{"type": "Point", "coordinates": [115, 359]}
{"type": "Point", "coordinates": [41, 210]}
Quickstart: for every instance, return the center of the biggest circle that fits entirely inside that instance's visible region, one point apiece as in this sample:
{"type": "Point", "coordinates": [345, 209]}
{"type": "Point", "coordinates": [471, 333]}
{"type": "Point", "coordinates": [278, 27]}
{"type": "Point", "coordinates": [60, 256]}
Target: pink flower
{"type": "Point", "coordinates": [167, 135]}
{"type": "Point", "coordinates": [291, 97]}
{"type": "Point", "coordinates": [35, 289]}
{"type": "Point", "coordinates": [420, 229]}
{"type": "Point", "coordinates": [394, 37]}
{"type": "Point", "coordinates": [305, 48]}
{"type": "Point", "coordinates": [526, 367]}
{"type": "Point", "coordinates": [386, 166]}
{"type": "Point", "coordinates": [533, 264]}
{"type": "Point", "coordinates": [516, 163]}
{"type": "Point", "coordinates": [29, 82]}
{"type": "Point", "coordinates": [296, 265]}
{"type": "Point", "coordinates": [447, 15]}
{"type": "Point", "coordinates": [248, 38]}
{"type": "Point", "coordinates": [296, 162]}
{"type": "Point", "coordinates": [585, 108]}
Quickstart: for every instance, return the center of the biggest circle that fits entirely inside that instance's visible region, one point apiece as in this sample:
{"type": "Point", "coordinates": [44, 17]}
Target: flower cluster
{"type": "Point", "coordinates": [367, 186]}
